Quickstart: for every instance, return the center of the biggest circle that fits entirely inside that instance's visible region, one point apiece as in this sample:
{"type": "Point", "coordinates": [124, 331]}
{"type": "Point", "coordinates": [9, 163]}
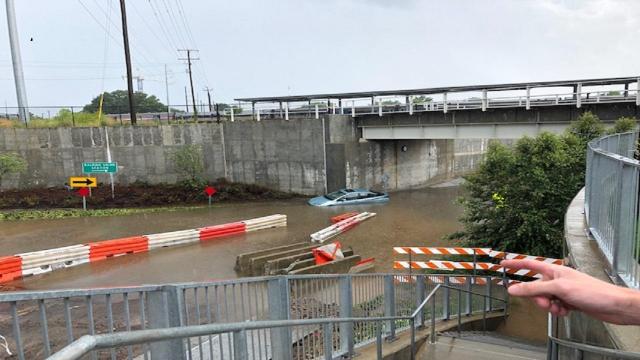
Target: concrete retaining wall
{"type": "Point", "coordinates": [306, 156]}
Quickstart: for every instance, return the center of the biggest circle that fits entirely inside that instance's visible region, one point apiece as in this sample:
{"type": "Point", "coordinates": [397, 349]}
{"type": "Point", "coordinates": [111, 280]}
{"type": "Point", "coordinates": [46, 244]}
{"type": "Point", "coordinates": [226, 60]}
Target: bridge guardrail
{"type": "Point", "coordinates": [611, 203]}
{"type": "Point", "coordinates": [38, 324]}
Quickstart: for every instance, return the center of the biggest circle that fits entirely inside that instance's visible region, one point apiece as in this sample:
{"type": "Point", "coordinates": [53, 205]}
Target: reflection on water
{"type": "Point", "coordinates": [418, 217]}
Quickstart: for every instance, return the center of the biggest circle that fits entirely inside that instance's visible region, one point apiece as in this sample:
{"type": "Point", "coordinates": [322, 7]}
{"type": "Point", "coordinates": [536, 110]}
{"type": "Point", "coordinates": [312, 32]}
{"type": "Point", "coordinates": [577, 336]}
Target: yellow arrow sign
{"type": "Point", "coordinates": [82, 181]}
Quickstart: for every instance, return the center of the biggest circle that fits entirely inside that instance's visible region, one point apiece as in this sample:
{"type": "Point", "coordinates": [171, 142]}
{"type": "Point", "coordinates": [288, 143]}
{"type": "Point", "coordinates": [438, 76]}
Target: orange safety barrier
{"type": "Point", "coordinates": [10, 268]}
{"type": "Point", "coordinates": [338, 218]}
{"type": "Point", "coordinates": [212, 232]}
{"type": "Point", "coordinates": [104, 249]}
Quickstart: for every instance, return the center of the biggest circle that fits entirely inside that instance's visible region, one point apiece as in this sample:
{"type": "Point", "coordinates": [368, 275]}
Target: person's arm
{"type": "Point", "coordinates": [563, 289]}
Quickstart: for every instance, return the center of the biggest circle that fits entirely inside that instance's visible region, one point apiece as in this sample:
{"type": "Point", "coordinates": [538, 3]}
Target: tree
{"type": "Point", "coordinates": [419, 100]}
{"type": "Point", "coordinates": [623, 125]}
{"type": "Point", "coordinates": [587, 127]}
{"type": "Point", "coordinates": [517, 198]}
{"type": "Point", "coordinates": [117, 102]}
{"type": "Point", "coordinates": [11, 163]}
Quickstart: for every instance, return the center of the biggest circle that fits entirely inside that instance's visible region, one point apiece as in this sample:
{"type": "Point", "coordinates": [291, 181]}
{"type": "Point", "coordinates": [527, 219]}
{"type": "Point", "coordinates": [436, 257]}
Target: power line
{"type": "Point", "coordinates": [156, 13]}
{"type": "Point", "coordinates": [119, 42]}
{"type": "Point", "coordinates": [144, 21]}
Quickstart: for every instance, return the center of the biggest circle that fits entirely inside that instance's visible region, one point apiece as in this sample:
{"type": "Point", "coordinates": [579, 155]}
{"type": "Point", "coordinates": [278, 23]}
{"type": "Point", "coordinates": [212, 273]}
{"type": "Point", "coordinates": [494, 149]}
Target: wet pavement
{"type": "Point", "coordinates": [417, 217]}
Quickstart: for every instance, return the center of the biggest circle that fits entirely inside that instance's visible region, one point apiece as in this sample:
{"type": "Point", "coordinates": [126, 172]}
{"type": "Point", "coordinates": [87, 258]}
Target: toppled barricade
{"type": "Point", "coordinates": [300, 258]}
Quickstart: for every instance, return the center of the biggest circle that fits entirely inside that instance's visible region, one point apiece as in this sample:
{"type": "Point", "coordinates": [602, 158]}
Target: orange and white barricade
{"type": "Point", "coordinates": [340, 227]}
{"type": "Point", "coordinates": [420, 250]}
{"type": "Point", "coordinates": [465, 265]}
{"type": "Point", "coordinates": [326, 253]}
{"type": "Point", "coordinates": [38, 262]}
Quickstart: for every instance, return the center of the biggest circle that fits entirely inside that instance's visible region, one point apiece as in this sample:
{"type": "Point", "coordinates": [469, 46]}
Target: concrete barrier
{"type": "Point", "coordinates": [43, 261]}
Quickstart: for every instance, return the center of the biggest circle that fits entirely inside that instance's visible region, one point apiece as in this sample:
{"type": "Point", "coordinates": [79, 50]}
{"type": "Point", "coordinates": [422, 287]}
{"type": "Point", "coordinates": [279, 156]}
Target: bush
{"type": "Point", "coordinates": [517, 199]}
{"type": "Point", "coordinates": [623, 125]}
{"type": "Point", "coordinates": [587, 127]}
{"type": "Point", "coordinates": [11, 163]}
{"type": "Point", "coordinates": [188, 161]}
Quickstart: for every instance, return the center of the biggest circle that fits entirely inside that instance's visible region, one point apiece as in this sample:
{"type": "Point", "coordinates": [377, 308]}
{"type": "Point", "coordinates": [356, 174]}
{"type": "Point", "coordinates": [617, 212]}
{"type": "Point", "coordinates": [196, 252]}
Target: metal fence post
{"type": "Point", "coordinates": [488, 292]}
{"type": "Point", "coordinates": [327, 339]}
{"type": "Point", "coordinates": [240, 350]}
{"type": "Point", "coordinates": [446, 312]}
{"type": "Point", "coordinates": [390, 305]}
{"type": "Point", "coordinates": [164, 311]}
{"type": "Point", "coordinates": [346, 310]}
{"type": "Point", "coordinates": [469, 285]}
{"type": "Point", "coordinates": [278, 291]}
{"type": "Point", "coordinates": [420, 295]}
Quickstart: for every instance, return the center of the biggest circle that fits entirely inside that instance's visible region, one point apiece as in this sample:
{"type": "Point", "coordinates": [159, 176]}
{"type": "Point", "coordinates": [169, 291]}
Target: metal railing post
{"type": "Point", "coordinates": [240, 350]}
{"type": "Point", "coordinates": [278, 291]}
{"type": "Point", "coordinates": [413, 338]}
{"type": "Point", "coordinates": [469, 304]}
{"type": "Point", "coordinates": [420, 295]}
{"type": "Point", "coordinates": [164, 310]}
{"type": "Point", "coordinates": [379, 340]}
{"type": "Point", "coordinates": [346, 310]}
{"type": "Point", "coordinates": [446, 311]}
{"type": "Point", "coordinates": [488, 292]}
{"type": "Point", "coordinates": [432, 338]}
{"type": "Point", "coordinates": [327, 339]}
{"type": "Point", "coordinates": [390, 305]}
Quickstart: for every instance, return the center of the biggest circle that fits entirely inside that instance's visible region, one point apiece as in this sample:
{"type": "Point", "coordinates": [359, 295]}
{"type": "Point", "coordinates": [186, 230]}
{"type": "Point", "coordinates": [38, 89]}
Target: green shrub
{"type": "Point", "coordinates": [11, 163]}
{"type": "Point", "coordinates": [623, 125]}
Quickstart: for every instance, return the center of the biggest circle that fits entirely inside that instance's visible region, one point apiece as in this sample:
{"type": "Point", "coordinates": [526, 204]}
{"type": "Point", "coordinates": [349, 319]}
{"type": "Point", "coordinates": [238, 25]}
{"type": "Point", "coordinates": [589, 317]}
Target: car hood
{"type": "Point", "coordinates": [318, 200]}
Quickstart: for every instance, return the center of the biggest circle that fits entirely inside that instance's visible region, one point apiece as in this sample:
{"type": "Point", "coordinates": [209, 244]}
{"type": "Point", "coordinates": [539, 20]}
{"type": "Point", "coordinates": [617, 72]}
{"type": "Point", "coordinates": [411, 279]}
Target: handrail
{"type": "Point", "coordinates": [614, 353]}
{"type": "Point", "coordinates": [87, 343]}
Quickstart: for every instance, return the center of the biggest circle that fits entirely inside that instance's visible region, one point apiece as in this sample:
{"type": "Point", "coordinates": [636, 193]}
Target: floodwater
{"type": "Point", "coordinates": [413, 218]}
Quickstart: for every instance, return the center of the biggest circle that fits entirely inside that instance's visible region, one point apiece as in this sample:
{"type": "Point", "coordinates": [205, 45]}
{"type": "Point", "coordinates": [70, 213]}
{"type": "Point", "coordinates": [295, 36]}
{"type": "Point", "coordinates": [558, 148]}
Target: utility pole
{"type": "Point", "coordinates": [18, 75]}
{"type": "Point", "coordinates": [166, 88]}
{"type": "Point", "coordinates": [208, 90]}
{"type": "Point", "coordinates": [212, 105]}
{"type": "Point", "coordinates": [189, 60]}
{"type": "Point", "coordinates": [127, 57]}
{"type": "Point", "coordinates": [186, 99]}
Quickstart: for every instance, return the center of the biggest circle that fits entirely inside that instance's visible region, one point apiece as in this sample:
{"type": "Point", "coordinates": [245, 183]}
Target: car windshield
{"type": "Point", "coordinates": [334, 195]}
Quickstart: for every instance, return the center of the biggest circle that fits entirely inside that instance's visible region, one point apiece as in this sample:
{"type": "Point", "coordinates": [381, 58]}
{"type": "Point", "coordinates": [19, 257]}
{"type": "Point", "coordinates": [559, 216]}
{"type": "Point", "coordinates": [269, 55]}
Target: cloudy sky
{"type": "Point", "coordinates": [72, 49]}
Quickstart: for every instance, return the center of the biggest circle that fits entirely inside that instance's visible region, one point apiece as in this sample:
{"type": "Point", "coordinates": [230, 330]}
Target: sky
{"type": "Point", "coordinates": [72, 49]}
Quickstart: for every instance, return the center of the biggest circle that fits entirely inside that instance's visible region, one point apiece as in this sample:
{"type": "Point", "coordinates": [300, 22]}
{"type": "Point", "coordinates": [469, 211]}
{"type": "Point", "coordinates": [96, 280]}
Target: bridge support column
{"type": "Point", "coordinates": [286, 111]}
{"type": "Point", "coordinates": [638, 92]}
{"type": "Point", "coordinates": [528, 100]}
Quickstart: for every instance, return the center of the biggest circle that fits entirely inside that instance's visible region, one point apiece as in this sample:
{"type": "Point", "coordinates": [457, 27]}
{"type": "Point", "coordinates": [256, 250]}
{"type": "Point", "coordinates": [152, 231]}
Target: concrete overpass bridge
{"type": "Point", "coordinates": [502, 111]}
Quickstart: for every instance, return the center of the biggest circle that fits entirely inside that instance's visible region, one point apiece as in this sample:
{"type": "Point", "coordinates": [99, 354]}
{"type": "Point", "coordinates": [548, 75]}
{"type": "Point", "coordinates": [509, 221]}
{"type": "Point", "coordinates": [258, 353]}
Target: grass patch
{"type": "Point", "coordinates": [76, 213]}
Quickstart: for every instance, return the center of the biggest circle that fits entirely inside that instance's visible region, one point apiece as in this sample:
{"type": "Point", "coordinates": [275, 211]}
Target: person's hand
{"type": "Point", "coordinates": [563, 289]}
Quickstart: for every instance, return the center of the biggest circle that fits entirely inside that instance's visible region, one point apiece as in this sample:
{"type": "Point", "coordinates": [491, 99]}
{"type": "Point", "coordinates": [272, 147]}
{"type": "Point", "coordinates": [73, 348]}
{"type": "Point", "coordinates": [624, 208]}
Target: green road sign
{"type": "Point", "coordinates": [99, 167]}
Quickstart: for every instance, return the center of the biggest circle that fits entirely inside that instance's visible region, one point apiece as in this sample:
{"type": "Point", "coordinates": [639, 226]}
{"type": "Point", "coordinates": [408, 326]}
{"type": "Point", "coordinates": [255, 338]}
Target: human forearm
{"type": "Point", "coordinates": [628, 303]}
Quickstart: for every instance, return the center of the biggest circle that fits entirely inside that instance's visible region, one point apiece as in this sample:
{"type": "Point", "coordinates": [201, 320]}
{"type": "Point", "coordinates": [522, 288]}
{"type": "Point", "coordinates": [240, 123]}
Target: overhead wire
{"type": "Point", "coordinates": [161, 24]}
{"type": "Point", "coordinates": [151, 30]}
{"type": "Point", "coordinates": [138, 47]}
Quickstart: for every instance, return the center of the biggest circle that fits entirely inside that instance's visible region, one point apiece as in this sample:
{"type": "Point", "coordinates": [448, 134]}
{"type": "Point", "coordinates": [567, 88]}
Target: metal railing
{"type": "Point", "coordinates": [74, 116]}
{"type": "Point", "coordinates": [38, 324]}
{"type": "Point", "coordinates": [560, 348]}
{"type": "Point", "coordinates": [611, 203]}
{"type": "Point", "coordinates": [239, 332]}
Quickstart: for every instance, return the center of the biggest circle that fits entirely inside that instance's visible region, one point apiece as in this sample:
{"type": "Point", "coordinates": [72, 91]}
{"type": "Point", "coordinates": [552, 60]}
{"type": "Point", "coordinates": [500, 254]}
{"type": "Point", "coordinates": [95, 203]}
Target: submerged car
{"type": "Point", "coordinates": [349, 197]}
